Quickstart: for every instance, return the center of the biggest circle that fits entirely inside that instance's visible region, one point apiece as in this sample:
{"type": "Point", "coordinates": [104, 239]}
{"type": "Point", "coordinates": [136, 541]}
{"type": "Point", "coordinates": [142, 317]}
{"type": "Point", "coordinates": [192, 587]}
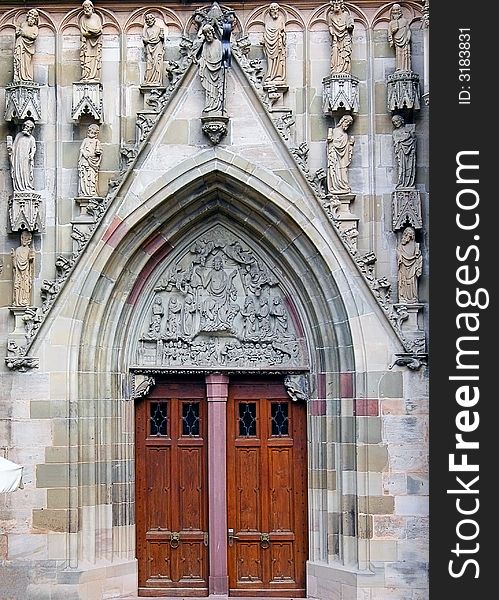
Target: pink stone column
{"type": "Point", "coordinates": [217, 389]}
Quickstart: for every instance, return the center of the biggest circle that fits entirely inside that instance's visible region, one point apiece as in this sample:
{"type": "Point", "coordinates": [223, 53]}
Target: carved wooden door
{"type": "Point", "coordinates": [267, 491]}
{"type": "Point", "coordinates": [171, 494]}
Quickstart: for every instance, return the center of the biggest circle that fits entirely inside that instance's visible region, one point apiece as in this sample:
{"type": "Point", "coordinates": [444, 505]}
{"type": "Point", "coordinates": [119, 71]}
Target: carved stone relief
{"type": "Point", "coordinates": [219, 306]}
{"type": "Point", "coordinates": [274, 45]}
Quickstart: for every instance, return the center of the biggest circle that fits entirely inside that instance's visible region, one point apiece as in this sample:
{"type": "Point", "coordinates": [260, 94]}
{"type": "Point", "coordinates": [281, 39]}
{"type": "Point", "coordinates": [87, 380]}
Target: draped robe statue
{"type": "Point", "coordinates": [404, 144]}
{"type": "Point", "coordinates": [410, 266]}
{"type": "Point", "coordinates": [24, 48]}
{"type": "Point", "coordinates": [340, 23]}
{"type": "Point", "coordinates": [23, 258]}
{"type": "Point", "coordinates": [211, 71]}
{"type": "Point", "coordinates": [89, 162]}
{"type": "Point", "coordinates": [274, 44]}
{"type": "Point", "coordinates": [399, 35]}
{"type": "Point", "coordinates": [153, 38]}
{"type": "Point", "coordinates": [22, 156]}
{"type": "Point", "coordinates": [91, 43]}
{"type": "Point", "coordinates": [339, 152]}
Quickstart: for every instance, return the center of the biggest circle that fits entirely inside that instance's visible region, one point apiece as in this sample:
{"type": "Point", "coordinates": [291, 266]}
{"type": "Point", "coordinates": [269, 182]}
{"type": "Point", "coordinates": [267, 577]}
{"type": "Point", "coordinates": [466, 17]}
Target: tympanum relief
{"type": "Point", "coordinates": [220, 306]}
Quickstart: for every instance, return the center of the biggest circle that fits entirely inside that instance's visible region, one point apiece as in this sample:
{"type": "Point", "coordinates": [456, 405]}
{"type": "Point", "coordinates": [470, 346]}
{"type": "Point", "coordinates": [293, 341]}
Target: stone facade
{"type": "Point", "coordinates": [166, 183]}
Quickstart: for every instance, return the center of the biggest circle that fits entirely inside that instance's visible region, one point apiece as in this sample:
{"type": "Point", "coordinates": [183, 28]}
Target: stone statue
{"type": "Point", "coordinates": [404, 144]}
{"type": "Point", "coordinates": [91, 43]}
{"type": "Point", "coordinates": [279, 318]}
{"type": "Point", "coordinates": [22, 156]}
{"type": "Point", "coordinates": [340, 23]}
{"type": "Point", "coordinates": [399, 35]}
{"type": "Point", "coordinates": [339, 153]}
{"type": "Point", "coordinates": [23, 258]}
{"type": "Point", "coordinates": [218, 310]}
{"type": "Point", "coordinates": [24, 48]}
{"type": "Point", "coordinates": [89, 162]}
{"type": "Point", "coordinates": [210, 71]}
{"type": "Point", "coordinates": [274, 44]}
{"type": "Point", "coordinates": [410, 266]}
{"type": "Point", "coordinates": [153, 37]}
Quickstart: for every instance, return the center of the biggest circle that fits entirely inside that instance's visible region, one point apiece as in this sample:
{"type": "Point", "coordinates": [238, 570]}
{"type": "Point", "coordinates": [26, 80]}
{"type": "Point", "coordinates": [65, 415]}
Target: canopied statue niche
{"type": "Point", "coordinates": [220, 306]}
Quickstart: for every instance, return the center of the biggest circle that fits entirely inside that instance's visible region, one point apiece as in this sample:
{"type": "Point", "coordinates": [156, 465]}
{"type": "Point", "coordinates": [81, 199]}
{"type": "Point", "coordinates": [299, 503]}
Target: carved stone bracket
{"type": "Point", "coordinates": [297, 387]}
{"type": "Point", "coordinates": [22, 101]}
{"type": "Point", "coordinates": [412, 361]}
{"type": "Point", "coordinates": [152, 97]}
{"type": "Point", "coordinates": [87, 100]}
{"type": "Point", "coordinates": [408, 316]}
{"type": "Point", "coordinates": [340, 93]}
{"type": "Point", "coordinates": [144, 124]}
{"type": "Point", "coordinates": [89, 209]}
{"type": "Point", "coordinates": [403, 91]}
{"type": "Point", "coordinates": [275, 93]}
{"type": "Point", "coordinates": [25, 212]}
{"type": "Point", "coordinates": [406, 205]}
{"type": "Point", "coordinates": [17, 342]}
{"type": "Point", "coordinates": [283, 120]}
{"type": "Point", "coordinates": [141, 385]}
{"type": "Point", "coordinates": [215, 127]}
{"type": "Point", "coordinates": [22, 363]}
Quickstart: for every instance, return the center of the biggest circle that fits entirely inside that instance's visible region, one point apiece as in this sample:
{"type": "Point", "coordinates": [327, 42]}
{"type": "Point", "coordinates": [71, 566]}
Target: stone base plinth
{"type": "Point", "coordinates": [340, 92]}
{"type": "Point", "coordinates": [87, 100]}
{"type": "Point", "coordinates": [22, 101]}
{"type": "Point", "coordinates": [25, 212]}
{"type": "Point", "coordinates": [403, 91]}
{"type": "Point", "coordinates": [88, 209]}
{"type": "Point", "coordinates": [406, 209]}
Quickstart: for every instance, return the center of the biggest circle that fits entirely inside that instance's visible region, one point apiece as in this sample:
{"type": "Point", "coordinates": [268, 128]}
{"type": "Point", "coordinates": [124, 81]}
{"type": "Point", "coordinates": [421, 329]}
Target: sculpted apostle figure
{"type": "Point", "coordinates": [410, 266]}
{"type": "Point", "coordinates": [91, 43]}
{"type": "Point", "coordinates": [210, 70]}
{"type": "Point", "coordinates": [23, 258]}
{"type": "Point", "coordinates": [24, 48]}
{"type": "Point", "coordinates": [399, 35]}
{"type": "Point", "coordinates": [22, 156]}
{"type": "Point", "coordinates": [404, 144]}
{"type": "Point", "coordinates": [153, 37]}
{"type": "Point", "coordinates": [339, 153]}
{"type": "Point", "coordinates": [274, 44]}
{"type": "Point", "coordinates": [89, 162]}
{"type": "Point", "coordinates": [340, 23]}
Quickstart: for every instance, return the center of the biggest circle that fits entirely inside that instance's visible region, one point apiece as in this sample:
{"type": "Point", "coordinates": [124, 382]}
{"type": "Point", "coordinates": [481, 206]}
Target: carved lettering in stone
{"type": "Point", "coordinates": [22, 155]}
{"type": "Point", "coordinates": [24, 48]}
{"type": "Point", "coordinates": [91, 43]}
{"type": "Point", "coordinates": [410, 266]}
{"type": "Point", "coordinates": [339, 153]}
{"type": "Point", "coordinates": [23, 262]}
{"type": "Point", "coordinates": [404, 144]}
{"type": "Point", "coordinates": [89, 161]}
{"type": "Point", "coordinates": [399, 36]}
{"type": "Point", "coordinates": [274, 44]}
{"type": "Point", "coordinates": [340, 23]}
{"type": "Point", "coordinates": [219, 306]}
{"type": "Point", "coordinates": [153, 37]}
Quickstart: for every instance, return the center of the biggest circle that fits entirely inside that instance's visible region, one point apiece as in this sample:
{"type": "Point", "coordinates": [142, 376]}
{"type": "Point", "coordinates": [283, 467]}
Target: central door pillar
{"type": "Point", "coordinates": [217, 389]}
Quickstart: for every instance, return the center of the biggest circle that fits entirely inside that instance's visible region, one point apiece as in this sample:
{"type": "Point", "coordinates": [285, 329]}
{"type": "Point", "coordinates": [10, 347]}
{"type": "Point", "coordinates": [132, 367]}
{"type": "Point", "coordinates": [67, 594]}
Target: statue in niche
{"type": "Point", "coordinates": [89, 163]}
{"type": "Point", "coordinates": [91, 43]}
{"type": "Point", "coordinates": [23, 259]}
{"type": "Point", "coordinates": [274, 44]}
{"type": "Point", "coordinates": [218, 310]}
{"type": "Point", "coordinates": [210, 71]}
{"type": "Point", "coordinates": [153, 38]}
{"type": "Point", "coordinates": [404, 144]}
{"type": "Point", "coordinates": [24, 48]}
{"type": "Point", "coordinates": [399, 35]}
{"type": "Point", "coordinates": [22, 157]}
{"type": "Point", "coordinates": [339, 153]}
{"type": "Point", "coordinates": [340, 23]}
{"type": "Point", "coordinates": [158, 312]}
{"type": "Point", "coordinates": [410, 266]}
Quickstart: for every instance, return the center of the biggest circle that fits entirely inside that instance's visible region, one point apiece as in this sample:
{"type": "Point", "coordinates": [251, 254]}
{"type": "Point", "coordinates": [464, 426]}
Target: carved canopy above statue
{"type": "Point", "coordinates": [219, 306]}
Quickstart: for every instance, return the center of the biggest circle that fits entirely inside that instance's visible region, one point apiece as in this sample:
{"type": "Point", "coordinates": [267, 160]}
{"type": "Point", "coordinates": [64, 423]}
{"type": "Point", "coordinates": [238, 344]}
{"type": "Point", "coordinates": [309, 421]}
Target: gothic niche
{"type": "Point", "coordinates": [220, 306]}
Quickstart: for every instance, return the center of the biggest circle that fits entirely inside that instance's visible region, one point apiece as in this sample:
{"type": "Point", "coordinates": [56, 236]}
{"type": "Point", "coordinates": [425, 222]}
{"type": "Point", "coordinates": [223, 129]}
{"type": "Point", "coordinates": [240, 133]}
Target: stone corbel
{"type": "Point", "coordinates": [297, 387]}
{"type": "Point", "coordinates": [141, 385]}
{"type": "Point", "coordinates": [25, 212]}
{"type": "Point", "coordinates": [340, 93]}
{"type": "Point", "coordinates": [215, 127]}
{"type": "Point", "coordinates": [406, 205]}
{"type": "Point", "coordinates": [403, 91]}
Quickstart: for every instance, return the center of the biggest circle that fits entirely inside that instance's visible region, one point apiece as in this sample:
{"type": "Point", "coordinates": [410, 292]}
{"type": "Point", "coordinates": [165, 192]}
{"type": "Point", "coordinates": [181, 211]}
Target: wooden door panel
{"type": "Point", "coordinates": [171, 479]}
{"type": "Point", "coordinates": [267, 499]}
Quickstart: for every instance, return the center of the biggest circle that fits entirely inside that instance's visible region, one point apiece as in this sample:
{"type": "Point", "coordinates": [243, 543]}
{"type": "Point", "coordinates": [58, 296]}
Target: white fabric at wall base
{"type": "Point", "coordinates": [10, 475]}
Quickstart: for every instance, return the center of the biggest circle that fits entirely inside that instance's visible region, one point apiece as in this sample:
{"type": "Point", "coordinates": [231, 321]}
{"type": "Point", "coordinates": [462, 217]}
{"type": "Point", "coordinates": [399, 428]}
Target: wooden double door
{"type": "Point", "coordinates": [264, 503]}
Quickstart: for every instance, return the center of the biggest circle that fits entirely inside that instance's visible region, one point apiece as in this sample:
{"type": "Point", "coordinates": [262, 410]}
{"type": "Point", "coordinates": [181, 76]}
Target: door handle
{"type": "Point", "coordinates": [175, 539]}
{"type": "Point", "coordinates": [231, 537]}
{"type": "Point", "coordinates": [265, 540]}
